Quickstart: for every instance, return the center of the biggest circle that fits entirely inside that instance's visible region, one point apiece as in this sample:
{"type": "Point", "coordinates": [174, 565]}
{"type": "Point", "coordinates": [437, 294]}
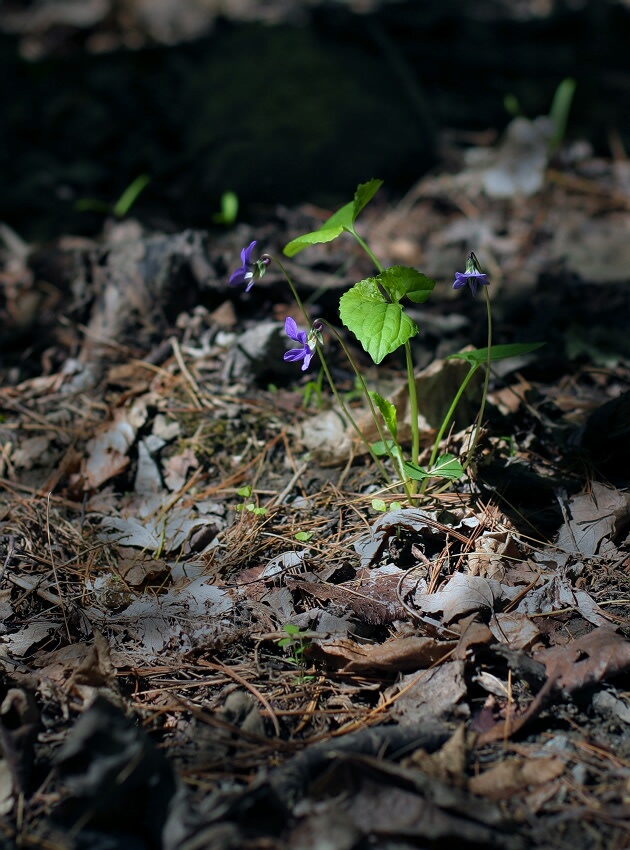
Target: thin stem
{"type": "Point", "coordinates": [367, 249]}
{"type": "Point", "coordinates": [413, 405]}
{"type": "Point", "coordinates": [484, 395]}
{"type": "Point", "coordinates": [410, 486]}
{"type": "Point", "coordinates": [373, 411]}
{"type": "Point", "coordinates": [331, 382]}
{"type": "Point", "coordinates": [298, 300]}
{"type": "Point", "coordinates": [446, 421]}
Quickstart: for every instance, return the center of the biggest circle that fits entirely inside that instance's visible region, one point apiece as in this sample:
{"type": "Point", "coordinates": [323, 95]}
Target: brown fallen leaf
{"type": "Point", "coordinates": [593, 658]}
{"type": "Point", "coordinates": [516, 774]}
{"type": "Point", "coordinates": [397, 655]}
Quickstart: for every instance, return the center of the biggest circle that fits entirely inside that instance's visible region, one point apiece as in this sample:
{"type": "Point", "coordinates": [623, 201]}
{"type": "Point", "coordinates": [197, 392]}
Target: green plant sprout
{"type": "Point", "coordinates": [373, 310]}
{"type": "Point", "coordinates": [313, 390]}
{"type": "Point", "coordinates": [229, 209]}
{"type": "Point", "coordinates": [121, 207]}
{"type": "Point", "coordinates": [245, 492]}
{"type": "Point", "coordinates": [382, 506]}
{"type": "Point", "coordinates": [558, 111]}
{"type": "Point", "coordinates": [303, 536]}
{"type": "Point", "coordinates": [296, 642]}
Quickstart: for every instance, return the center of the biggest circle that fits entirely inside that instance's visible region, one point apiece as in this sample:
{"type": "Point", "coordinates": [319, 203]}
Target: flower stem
{"type": "Point", "coordinates": [484, 395]}
{"type": "Point", "coordinates": [413, 407]}
{"type": "Point", "coordinates": [410, 486]}
{"type": "Point", "coordinates": [367, 250]}
{"type": "Point", "coordinates": [331, 382]}
{"type": "Point", "coordinates": [446, 421]}
{"type": "Point", "coordinates": [298, 300]}
{"type": "Point", "coordinates": [392, 456]}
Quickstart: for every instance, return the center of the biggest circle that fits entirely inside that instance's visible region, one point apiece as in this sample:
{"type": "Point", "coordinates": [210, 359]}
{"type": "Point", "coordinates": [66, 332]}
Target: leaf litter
{"type": "Point", "coordinates": [456, 670]}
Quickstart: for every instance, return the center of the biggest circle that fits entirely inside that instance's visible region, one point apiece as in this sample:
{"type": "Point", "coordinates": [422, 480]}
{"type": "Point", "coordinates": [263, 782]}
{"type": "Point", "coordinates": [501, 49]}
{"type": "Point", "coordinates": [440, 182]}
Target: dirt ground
{"type": "Point", "coordinates": [219, 628]}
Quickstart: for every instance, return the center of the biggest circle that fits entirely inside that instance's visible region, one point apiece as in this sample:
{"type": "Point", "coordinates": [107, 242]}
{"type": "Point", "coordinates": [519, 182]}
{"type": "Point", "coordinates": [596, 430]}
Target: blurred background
{"type": "Point", "coordinates": [280, 102]}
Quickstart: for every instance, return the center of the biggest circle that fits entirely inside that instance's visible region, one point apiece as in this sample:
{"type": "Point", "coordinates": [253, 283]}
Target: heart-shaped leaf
{"type": "Point", "coordinates": [380, 326]}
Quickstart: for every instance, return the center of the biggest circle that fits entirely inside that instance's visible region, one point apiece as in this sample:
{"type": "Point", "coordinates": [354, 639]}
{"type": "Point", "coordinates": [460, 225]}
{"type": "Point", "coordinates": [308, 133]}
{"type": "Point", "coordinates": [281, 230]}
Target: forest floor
{"type": "Point", "coordinates": [219, 628]}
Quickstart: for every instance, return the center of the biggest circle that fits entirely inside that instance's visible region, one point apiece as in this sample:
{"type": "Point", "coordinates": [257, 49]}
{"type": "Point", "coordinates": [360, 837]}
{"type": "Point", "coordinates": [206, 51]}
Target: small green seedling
{"type": "Point", "coordinates": [245, 492]}
{"type": "Point", "coordinates": [229, 209]}
{"type": "Point", "coordinates": [313, 390]}
{"type": "Point", "coordinates": [121, 207]}
{"type": "Point", "coordinates": [382, 506]}
{"type": "Point", "coordinates": [296, 643]}
{"type": "Point", "coordinates": [558, 111]}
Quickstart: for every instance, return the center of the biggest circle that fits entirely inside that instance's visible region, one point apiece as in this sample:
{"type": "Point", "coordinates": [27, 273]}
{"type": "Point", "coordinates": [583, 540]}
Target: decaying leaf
{"type": "Point", "coordinates": [516, 774]}
{"type": "Point", "coordinates": [591, 659]}
{"type": "Point", "coordinates": [435, 693]}
{"type": "Point", "coordinates": [399, 655]}
{"type": "Point", "coordinates": [462, 594]}
{"type": "Point", "coordinates": [596, 518]}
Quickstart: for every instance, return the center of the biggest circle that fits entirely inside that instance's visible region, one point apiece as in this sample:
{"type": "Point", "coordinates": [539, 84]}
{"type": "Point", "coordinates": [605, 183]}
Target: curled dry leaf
{"type": "Point", "coordinates": [593, 658]}
{"type": "Point", "coordinates": [517, 774]}
{"type": "Point", "coordinates": [462, 594]}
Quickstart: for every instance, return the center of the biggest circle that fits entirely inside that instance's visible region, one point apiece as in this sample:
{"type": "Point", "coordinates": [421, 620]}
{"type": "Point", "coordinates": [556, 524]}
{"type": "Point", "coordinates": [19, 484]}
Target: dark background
{"type": "Point", "coordinates": [290, 112]}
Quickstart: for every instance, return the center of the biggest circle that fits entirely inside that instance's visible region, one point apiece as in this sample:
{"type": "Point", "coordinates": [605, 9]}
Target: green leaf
{"type": "Point", "coordinates": [380, 326]}
{"type": "Point", "coordinates": [559, 111]}
{"type": "Point", "coordinates": [315, 238]}
{"type": "Point", "coordinates": [379, 505]}
{"type": "Point", "coordinates": [342, 220]}
{"type": "Point", "coordinates": [446, 466]}
{"type": "Point", "coordinates": [303, 536]}
{"type": "Point", "coordinates": [245, 491]}
{"type": "Point", "coordinates": [414, 471]}
{"type": "Point", "coordinates": [330, 229]}
{"type": "Point", "coordinates": [388, 412]}
{"type": "Point", "coordinates": [364, 194]}
{"type": "Point", "coordinates": [497, 352]}
{"type": "Point", "coordinates": [130, 195]}
{"type": "Point", "coordinates": [381, 448]}
{"type": "Point", "coordinates": [229, 209]}
{"type": "Point", "coordinates": [399, 281]}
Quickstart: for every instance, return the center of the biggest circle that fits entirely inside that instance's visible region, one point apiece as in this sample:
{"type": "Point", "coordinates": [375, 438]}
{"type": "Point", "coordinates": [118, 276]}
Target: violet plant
{"type": "Point", "coordinates": [373, 310]}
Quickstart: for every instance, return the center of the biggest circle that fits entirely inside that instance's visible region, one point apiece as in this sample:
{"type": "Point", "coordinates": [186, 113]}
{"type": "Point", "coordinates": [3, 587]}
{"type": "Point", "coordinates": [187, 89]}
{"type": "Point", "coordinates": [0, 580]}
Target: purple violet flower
{"type": "Point", "coordinates": [473, 276]}
{"type": "Point", "coordinates": [250, 271]}
{"type": "Point", "coordinates": [304, 353]}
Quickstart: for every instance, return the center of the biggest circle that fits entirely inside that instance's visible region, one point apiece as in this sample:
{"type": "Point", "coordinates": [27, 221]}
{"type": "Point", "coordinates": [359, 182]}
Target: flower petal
{"type": "Point", "coordinates": [290, 327]}
{"type": "Point", "coordinates": [238, 277]}
{"type": "Point", "coordinates": [296, 354]}
{"type": "Point", "coordinates": [247, 252]}
{"type": "Point", "coordinates": [291, 330]}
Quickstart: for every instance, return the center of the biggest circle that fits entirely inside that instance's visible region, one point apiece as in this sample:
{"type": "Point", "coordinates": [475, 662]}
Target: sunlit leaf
{"type": "Point", "coordinates": [387, 411]}
{"type": "Point", "coordinates": [380, 326]}
{"type": "Point", "coordinates": [497, 352]}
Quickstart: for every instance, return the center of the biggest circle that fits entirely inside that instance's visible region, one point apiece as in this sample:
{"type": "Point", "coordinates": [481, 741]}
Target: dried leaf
{"type": "Point", "coordinates": [400, 654]}
{"type": "Point", "coordinates": [595, 520]}
{"type": "Point", "coordinates": [462, 594]}
{"type": "Point", "coordinates": [505, 779]}
{"type": "Point", "coordinates": [591, 659]}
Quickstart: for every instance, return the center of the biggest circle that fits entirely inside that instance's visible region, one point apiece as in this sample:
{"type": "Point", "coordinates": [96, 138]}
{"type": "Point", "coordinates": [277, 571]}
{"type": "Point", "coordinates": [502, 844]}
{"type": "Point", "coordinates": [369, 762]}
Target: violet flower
{"type": "Point", "coordinates": [304, 353]}
{"type": "Point", "coordinates": [250, 271]}
{"type": "Point", "coordinates": [473, 276]}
